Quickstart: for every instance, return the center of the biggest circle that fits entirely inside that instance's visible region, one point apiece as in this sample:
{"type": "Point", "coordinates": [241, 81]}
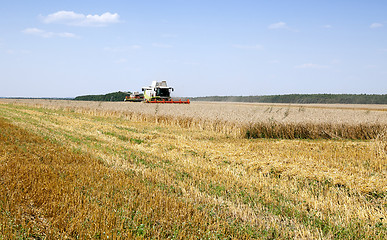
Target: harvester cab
{"type": "Point", "coordinates": [159, 92]}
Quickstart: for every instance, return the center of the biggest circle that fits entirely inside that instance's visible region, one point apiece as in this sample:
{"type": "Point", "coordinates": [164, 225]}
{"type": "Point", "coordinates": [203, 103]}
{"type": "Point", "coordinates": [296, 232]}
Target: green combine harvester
{"type": "Point", "coordinates": [159, 92]}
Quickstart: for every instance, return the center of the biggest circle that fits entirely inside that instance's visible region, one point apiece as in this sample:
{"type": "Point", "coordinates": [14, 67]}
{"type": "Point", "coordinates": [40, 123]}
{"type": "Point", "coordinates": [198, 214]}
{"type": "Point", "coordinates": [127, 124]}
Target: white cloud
{"type": "Point", "coordinates": [162, 45]}
{"type": "Point", "coordinates": [281, 25]}
{"type": "Point", "coordinates": [256, 47]}
{"type": "Point", "coordinates": [45, 34]}
{"type": "Point", "coordinates": [278, 25]}
{"type": "Point", "coordinates": [66, 34]}
{"type": "Point", "coordinates": [33, 31]}
{"type": "Point", "coordinates": [78, 19]}
{"type": "Point", "coordinates": [63, 17]}
{"type": "Point", "coordinates": [327, 26]}
{"type": "Point", "coordinates": [311, 66]}
{"type": "Point", "coordinates": [376, 25]}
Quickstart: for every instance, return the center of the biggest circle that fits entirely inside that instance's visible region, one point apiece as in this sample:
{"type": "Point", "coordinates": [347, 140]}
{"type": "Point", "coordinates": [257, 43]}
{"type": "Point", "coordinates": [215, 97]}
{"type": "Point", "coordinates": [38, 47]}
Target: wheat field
{"type": "Point", "coordinates": [290, 121]}
{"type": "Point", "coordinates": [233, 112]}
{"type": "Point", "coordinates": [89, 170]}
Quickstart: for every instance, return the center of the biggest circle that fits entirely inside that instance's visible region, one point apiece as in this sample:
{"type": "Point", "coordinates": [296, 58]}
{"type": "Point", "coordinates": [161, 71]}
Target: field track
{"type": "Point", "coordinates": [69, 170]}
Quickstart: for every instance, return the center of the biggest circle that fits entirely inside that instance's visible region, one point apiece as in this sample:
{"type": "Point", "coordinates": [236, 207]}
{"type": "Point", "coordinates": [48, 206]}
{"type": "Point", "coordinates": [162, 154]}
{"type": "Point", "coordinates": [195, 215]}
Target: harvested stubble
{"type": "Point", "coordinates": [242, 188]}
{"type": "Point", "coordinates": [50, 192]}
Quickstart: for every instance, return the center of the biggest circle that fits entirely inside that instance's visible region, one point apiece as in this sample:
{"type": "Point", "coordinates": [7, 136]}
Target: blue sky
{"type": "Point", "coordinates": [71, 48]}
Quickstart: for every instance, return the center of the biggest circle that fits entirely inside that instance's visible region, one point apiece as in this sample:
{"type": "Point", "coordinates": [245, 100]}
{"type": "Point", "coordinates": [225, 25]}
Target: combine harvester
{"type": "Point", "coordinates": [134, 97]}
{"type": "Point", "coordinates": [159, 92]}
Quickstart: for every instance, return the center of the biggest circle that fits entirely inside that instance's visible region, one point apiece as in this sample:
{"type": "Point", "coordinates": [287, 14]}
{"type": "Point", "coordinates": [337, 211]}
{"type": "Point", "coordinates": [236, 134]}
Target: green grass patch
{"type": "Point", "coordinates": [136, 141]}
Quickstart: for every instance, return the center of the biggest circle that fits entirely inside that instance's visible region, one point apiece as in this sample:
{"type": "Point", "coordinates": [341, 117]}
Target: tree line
{"type": "Point", "coordinates": [302, 98]}
{"type": "Point", "coordinates": [110, 97]}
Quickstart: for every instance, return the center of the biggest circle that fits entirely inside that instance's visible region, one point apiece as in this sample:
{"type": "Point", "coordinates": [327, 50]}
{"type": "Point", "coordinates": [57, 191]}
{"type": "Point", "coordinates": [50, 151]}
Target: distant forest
{"type": "Point", "coordinates": [302, 98]}
{"type": "Point", "coordinates": [110, 97]}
